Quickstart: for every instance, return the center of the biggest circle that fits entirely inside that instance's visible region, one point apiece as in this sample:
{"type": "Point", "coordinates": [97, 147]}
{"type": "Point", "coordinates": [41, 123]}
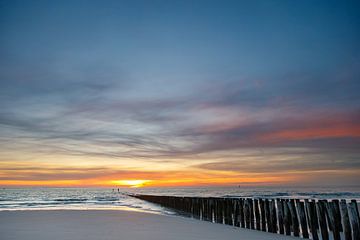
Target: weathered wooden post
{"type": "Point", "coordinates": [204, 208]}
{"type": "Point", "coordinates": [346, 220]}
{"type": "Point", "coordinates": [247, 213]}
{"type": "Point", "coordinates": [236, 212]}
{"type": "Point", "coordinates": [252, 218]}
{"type": "Point", "coordinates": [313, 220]}
{"type": "Point", "coordinates": [337, 214]}
{"type": "Point", "coordinates": [354, 213]}
{"type": "Point", "coordinates": [233, 211]}
{"type": "Point", "coordinates": [212, 209]}
{"type": "Point", "coordinates": [280, 211]}
{"type": "Point", "coordinates": [241, 211]}
{"type": "Point", "coordinates": [263, 215]}
{"type": "Point", "coordinates": [332, 220]}
{"type": "Point", "coordinates": [201, 206]}
{"type": "Point", "coordinates": [267, 213]}
{"type": "Point", "coordinates": [216, 211]}
{"type": "Point", "coordinates": [257, 214]}
{"type": "Point", "coordinates": [322, 220]}
{"type": "Point", "coordinates": [222, 210]}
{"type": "Point", "coordinates": [287, 218]}
{"type": "Point", "coordinates": [294, 217]}
{"type": "Point", "coordinates": [210, 215]}
{"type": "Point", "coordinates": [198, 208]}
{"type": "Point", "coordinates": [194, 207]}
{"type": "Point", "coordinates": [228, 212]}
{"type": "Point", "coordinates": [302, 216]}
{"type": "Point", "coordinates": [273, 216]}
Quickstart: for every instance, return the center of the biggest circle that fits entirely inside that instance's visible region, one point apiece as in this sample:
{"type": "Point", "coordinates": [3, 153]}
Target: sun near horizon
{"type": "Point", "coordinates": [130, 183]}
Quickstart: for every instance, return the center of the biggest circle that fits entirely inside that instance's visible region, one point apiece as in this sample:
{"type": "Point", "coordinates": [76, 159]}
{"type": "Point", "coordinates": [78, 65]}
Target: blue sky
{"type": "Point", "coordinates": [187, 85]}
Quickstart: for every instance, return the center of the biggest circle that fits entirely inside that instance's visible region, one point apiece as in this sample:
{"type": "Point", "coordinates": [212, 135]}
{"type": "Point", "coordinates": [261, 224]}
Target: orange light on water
{"type": "Point", "coordinates": [131, 183]}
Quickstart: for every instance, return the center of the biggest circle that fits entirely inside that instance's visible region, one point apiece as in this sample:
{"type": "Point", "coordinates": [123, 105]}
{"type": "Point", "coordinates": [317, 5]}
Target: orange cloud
{"type": "Point", "coordinates": [316, 132]}
{"type": "Point", "coordinates": [331, 127]}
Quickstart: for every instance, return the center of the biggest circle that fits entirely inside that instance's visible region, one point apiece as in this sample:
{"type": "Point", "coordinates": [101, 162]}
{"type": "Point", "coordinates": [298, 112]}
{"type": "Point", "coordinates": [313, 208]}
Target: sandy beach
{"type": "Point", "coordinates": [115, 224]}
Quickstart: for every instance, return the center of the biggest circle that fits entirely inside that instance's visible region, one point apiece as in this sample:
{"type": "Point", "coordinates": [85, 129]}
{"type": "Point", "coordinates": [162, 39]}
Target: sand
{"type": "Point", "coordinates": [116, 224]}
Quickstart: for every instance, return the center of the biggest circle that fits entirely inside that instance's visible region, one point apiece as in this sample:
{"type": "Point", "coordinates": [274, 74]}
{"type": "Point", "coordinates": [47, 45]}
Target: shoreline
{"type": "Point", "coordinates": [116, 224]}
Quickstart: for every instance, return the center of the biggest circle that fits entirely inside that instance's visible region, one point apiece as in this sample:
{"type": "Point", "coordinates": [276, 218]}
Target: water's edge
{"type": "Point", "coordinates": [107, 198]}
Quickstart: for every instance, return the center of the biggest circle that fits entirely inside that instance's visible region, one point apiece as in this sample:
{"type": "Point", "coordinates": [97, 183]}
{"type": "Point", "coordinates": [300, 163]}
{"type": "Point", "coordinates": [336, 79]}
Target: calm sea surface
{"type": "Point", "coordinates": [107, 198]}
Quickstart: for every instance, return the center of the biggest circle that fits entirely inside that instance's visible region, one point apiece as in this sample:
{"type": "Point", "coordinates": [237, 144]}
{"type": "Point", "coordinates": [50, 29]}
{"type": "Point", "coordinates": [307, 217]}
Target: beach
{"type": "Point", "coordinates": [116, 224]}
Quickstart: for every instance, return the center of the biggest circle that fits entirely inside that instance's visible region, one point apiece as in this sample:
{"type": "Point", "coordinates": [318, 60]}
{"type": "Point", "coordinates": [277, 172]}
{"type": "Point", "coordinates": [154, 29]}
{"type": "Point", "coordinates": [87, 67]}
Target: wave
{"type": "Point", "coordinates": [106, 199]}
{"type": "Point", "coordinates": [69, 200]}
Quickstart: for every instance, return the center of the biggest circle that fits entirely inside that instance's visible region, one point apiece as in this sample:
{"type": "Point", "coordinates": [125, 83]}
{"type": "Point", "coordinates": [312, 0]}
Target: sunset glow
{"type": "Point", "coordinates": [130, 183]}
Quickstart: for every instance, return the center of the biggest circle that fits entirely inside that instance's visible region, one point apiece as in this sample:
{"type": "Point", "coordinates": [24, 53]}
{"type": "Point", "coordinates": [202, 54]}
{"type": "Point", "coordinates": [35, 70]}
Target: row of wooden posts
{"type": "Point", "coordinates": [315, 219]}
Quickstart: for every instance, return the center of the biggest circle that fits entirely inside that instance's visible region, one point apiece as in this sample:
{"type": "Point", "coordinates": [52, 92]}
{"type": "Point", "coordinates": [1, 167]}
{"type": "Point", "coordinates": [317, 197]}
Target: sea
{"type": "Point", "coordinates": [119, 199]}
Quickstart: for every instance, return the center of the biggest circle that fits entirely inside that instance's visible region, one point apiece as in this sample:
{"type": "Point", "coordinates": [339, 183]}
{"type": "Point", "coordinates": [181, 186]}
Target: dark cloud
{"type": "Point", "coordinates": [48, 173]}
{"type": "Point", "coordinates": [291, 162]}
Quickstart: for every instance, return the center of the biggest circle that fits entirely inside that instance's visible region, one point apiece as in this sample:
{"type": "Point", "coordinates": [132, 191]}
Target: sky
{"type": "Point", "coordinates": [179, 93]}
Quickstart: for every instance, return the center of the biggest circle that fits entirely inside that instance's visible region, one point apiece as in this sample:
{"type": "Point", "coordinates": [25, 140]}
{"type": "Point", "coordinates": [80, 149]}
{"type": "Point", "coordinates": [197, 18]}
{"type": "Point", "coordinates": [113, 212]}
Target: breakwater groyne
{"type": "Point", "coordinates": [306, 218]}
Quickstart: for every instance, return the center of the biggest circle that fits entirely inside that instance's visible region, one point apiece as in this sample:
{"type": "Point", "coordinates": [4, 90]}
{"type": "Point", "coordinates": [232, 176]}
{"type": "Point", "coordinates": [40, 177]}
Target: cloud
{"type": "Point", "coordinates": [90, 111]}
{"type": "Point", "coordinates": [288, 160]}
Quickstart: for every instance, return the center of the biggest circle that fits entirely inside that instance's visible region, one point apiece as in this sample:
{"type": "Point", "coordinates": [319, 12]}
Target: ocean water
{"type": "Point", "coordinates": [108, 198]}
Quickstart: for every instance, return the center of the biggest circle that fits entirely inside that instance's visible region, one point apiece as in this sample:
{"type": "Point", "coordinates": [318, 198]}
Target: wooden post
{"type": "Point", "coordinates": [302, 216]}
{"type": "Point", "coordinates": [322, 220]}
{"type": "Point", "coordinates": [231, 211]}
{"type": "Point", "coordinates": [192, 207]}
{"type": "Point", "coordinates": [354, 213]}
{"type": "Point", "coordinates": [252, 218]}
{"type": "Point", "coordinates": [262, 212]}
{"type": "Point", "coordinates": [236, 212]}
{"type": "Point", "coordinates": [332, 221]}
{"type": "Point", "coordinates": [313, 220]}
{"type": "Point", "coordinates": [217, 211]}
{"type": "Point", "coordinates": [196, 208]}
{"type": "Point", "coordinates": [337, 214]}
{"type": "Point", "coordinates": [208, 210]}
{"type": "Point", "coordinates": [212, 209]}
{"type": "Point", "coordinates": [346, 221]}
{"type": "Point", "coordinates": [294, 217]}
{"type": "Point", "coordinates": [247, 213]}
{"type": "Point", "coordinates": [326, 204]}
{"type": "Point", "coordinates": [273, 216]}
{"type": "Point", "coordinates": [280, 211]}
{"type": "Point", "coordinates": [202, 208]}
{"type": "Point", "coordinates": [267, 213]}
{"type": "Point", "coordinates": [228, 212]}
{"type": "Point", "coordinates": [357, 209]}
{"type": "Point", "coordinates": [205, 212]}
{"type": "Point", "coordinates": [257, 214]}
{"type": "Point", "coordinates": [317, 216]}
{"type": "Point", "coordinates": [222, 210]}
{"type": "Point", "coordinates": [241, 211]}
{"type": "Point", "coordinates": [198, 203]}
{"type": "Point", "coordinates": [244, 205]}
{"type": "Point", "coordinates": [287, 219]}
{"type": "Point", "coordinates": [307, 211]}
